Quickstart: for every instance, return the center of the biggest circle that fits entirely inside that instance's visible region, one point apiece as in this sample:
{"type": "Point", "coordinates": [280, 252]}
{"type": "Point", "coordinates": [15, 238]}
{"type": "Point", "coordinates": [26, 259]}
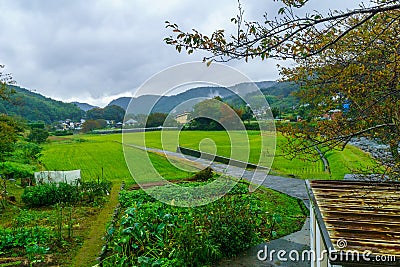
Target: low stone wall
{"type": "Point", "coordinates": [216, 158]}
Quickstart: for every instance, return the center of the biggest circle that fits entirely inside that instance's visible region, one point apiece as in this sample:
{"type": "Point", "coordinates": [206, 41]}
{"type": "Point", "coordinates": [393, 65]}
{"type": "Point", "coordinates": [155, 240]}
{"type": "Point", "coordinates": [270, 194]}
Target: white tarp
{"type": "Point", "coordinates": [69, 177]}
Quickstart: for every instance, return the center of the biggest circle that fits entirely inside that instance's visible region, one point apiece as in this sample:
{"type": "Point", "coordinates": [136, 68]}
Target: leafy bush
{"type": "Point", "coordinates": [50, 194]}
{"type": "Point", "coordinates": [91, 190]}
{"type": "Point", "coordinates": [62, 133]}
{"type": "Point", "coordinates": [38, 135]}
{"type": "Point", "coordinates": [252, 126]}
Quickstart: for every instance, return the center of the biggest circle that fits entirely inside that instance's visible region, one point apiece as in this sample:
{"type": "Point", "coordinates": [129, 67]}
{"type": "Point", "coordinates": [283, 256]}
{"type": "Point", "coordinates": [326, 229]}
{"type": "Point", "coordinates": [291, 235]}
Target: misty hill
{"type": "Point", "coordinates": [165, 104]}
{"type": "Point", "coordinates": [277, 94]}
{"type": "Point", "coordinates": [84, 106]}
{"type": "Point", "coordinates": [36, 107]}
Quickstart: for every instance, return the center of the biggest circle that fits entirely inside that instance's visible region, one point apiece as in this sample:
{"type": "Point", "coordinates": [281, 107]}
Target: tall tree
{"type": "Point", "coordinates": [5, 79]}
{"type": "Point", "coordinates": [9, 130]}
{"type": "Point", "coordinates": [357, 79]}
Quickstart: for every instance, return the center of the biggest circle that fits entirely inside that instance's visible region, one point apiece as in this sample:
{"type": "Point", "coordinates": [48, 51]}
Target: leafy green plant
{"type": "Point", "coordinates": [151, 233]}
{"type": "Point", "coordinates": [36, 252]}
{"type": "Point", "coordinates": [24, 237]}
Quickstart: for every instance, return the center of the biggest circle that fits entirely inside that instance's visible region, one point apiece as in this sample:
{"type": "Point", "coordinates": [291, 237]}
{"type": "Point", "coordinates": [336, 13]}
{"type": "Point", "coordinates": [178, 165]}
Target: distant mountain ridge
{"type": "Point", "coordinates": [167, 104]}
{"type": "Point", "coordinates": [83, 106]}
{"type": "Point", "coordinates": [36, 107]}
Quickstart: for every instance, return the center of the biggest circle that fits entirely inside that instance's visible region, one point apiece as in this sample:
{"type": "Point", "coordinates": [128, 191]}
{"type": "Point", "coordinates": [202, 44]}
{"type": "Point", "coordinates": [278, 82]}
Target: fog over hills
{"type": "Point", "coordinates": [184, 101]}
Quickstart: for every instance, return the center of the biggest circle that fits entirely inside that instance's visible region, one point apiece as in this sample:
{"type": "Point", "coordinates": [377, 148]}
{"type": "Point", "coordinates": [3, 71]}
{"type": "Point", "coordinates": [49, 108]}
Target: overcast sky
{"type": "Point", "coordinates": [95, 51]}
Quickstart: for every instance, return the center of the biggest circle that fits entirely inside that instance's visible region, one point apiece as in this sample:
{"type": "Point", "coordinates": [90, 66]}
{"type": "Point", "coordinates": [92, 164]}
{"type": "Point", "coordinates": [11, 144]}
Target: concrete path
{"type": "Point", "coordinates": [298, 241]}
{"type": "Point", "coordinates": [289, 186]}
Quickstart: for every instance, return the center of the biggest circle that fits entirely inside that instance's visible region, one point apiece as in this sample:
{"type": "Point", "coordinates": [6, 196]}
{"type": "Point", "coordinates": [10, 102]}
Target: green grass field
{"type": "Point", "coordinates": [341, 162]}
{"type": "Point", "coordinates": [91, 153]}
{"type": "Point", "coordinates": [103, 157]}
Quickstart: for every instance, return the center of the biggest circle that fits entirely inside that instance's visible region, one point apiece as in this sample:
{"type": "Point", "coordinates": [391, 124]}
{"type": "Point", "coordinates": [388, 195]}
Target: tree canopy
{"type": "Point", "coordinates": [112, 112]}
{"type": "Point", "coordinates": [358, 80]}
{"type": "Point", "coordinates": [213, 114]}
{"type": "Point", "coordinates": [5, 79]}
{"type": "Point", "coordinates": [286, 35]}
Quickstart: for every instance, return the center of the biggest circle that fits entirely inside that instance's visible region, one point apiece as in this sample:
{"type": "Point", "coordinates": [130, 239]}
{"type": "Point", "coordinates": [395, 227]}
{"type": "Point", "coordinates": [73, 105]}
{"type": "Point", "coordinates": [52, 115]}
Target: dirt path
{"type": "Point", "coordinates": [92, 245]}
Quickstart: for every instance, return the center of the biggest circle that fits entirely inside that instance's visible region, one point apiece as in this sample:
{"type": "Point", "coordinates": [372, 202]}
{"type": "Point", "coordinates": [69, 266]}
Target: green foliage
{"type": "Point", "coordinates": [62, 133]}
{"type": "Point", "coordinates": [9, 130]}
{"type": "Point", "coordinates": [112, 112]}
{"type": "Point", "coordinates": [91, 125]}
{"type": "Point", "coordinates": [26, 238]}
{"type": "Point", "coordinates": [38, 125]}
{"type": "Point", "coordinates": [213, 114]}
{"type": "Point", "coordinates": [50, 194]}
{"type": "Point", "coordinates": [151, 233]}
{"type": "Point", "coordinates": [95, 114]}
{"type": "Point", "coordinates": [91, 191]}
{"type": "Point", "coordinates": [159, 119]}
{"type": "Point", "coordinates": [38, 135]}
{"type": "Point", "coordinates": [16, 170]}
{"type": "Point", "coordinates": [27, 152]}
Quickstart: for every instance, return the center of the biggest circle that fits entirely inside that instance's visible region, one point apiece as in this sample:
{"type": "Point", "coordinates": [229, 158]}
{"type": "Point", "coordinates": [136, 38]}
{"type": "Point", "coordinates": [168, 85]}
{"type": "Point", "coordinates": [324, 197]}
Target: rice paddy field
{"type": "Point", "coordinates": [102, 155]}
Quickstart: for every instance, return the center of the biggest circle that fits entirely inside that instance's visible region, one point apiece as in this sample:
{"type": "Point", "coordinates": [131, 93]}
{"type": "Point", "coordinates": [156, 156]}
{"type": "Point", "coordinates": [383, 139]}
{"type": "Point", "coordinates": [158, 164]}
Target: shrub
{"type": "Point", "coordinates": [204, 175]}
{"type": "Point", "coordinates": [50, 194]}
{"type": "Point", "coordinates": [16, 170]}
{"type": "Point", "coordinates": [90, 191]}
{"type": "Point", "coordinates": [62, 133]}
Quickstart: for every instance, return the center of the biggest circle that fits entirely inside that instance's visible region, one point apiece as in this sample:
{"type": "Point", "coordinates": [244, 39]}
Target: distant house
{"type": "Point", "coordinates": [331, 114]}
{"type": "Point", "coordinates": [130, 122]}
{"type": "Point", "coordinates": [182, 118]}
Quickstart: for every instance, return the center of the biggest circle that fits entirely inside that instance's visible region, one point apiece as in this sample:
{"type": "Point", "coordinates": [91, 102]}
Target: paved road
{"type": "Point", "coordinates": [297, 241]}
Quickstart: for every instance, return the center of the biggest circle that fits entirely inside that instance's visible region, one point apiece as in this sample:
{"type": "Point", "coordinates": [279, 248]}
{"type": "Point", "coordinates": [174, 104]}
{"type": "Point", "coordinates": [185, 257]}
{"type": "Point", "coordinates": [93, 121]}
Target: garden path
{"type": "Point", "coordinates": [91, 247]}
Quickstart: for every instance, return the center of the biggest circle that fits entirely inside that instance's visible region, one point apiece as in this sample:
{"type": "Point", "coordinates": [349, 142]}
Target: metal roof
{"type": "Point", "coordinates": [364, 214]}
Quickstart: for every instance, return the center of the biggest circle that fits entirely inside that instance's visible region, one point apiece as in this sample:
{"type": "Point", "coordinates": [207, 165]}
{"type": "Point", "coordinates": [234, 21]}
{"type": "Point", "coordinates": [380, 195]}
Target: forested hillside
{"type": "Point", "coordinates": [35, 107]}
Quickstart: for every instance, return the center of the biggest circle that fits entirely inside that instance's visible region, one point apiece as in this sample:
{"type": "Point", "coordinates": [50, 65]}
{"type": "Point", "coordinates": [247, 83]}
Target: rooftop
{"type": "Point", "coordinates": [364, 214]}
